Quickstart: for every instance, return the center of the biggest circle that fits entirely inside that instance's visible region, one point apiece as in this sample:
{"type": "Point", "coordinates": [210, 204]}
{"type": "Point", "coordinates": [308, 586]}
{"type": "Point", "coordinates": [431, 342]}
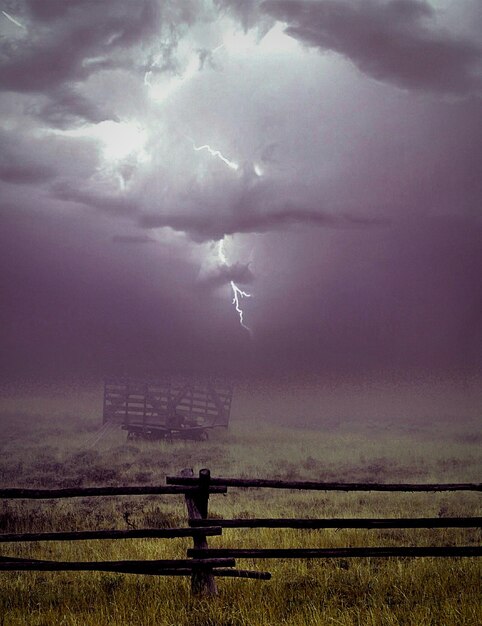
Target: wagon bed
{"type": "Point", "coordinates": [167, 408]}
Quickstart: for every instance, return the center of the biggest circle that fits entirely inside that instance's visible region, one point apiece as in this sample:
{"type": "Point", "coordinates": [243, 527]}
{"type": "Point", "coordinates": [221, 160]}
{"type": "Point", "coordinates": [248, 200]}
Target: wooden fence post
{"type": "Point", "coordinates": [202, 579]}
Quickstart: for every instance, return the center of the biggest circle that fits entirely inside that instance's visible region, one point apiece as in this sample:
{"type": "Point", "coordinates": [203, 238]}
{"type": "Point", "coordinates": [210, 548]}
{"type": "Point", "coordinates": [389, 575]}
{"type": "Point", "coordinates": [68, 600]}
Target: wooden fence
{"type": "Point", "coordinates": [203, 564]}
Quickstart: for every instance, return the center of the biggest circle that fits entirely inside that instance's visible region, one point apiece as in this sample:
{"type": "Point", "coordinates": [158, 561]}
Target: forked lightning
{"type": "Point", "coordinates": [237, 292]}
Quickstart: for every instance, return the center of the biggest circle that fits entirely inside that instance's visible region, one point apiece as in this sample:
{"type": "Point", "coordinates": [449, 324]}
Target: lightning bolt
{"type": "Point", "coordinates": [13, 20]}
{"type": "Point", "coordinates": [237, 292]}
{"type": "Point", "coordinates": [216, 153]}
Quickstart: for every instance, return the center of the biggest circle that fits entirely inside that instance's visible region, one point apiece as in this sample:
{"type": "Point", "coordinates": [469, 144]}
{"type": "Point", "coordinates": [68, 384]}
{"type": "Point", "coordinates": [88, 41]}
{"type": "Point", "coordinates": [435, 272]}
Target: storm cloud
{"type": "Point", "coordinates": [215, 227]}
{"type": "Point", "coordinates": [391, 41]}
{"type": "Point", "coordinates": [324, 155]}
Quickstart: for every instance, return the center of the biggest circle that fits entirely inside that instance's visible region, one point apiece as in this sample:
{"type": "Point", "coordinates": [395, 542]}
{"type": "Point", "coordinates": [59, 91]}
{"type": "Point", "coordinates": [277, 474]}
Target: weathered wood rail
{"type": "Point", "coordinates": [327, 553]}
{"type": "Point", "coordinates": [202, 570]}
{"type": "Point", "coordinates": [92, 492]}
{"type": "Point", "coordinates": [310, 485]}
{"type": "Point", "coordinates": [338, 523]}
{"type": "Point", "coordinates": [342, 522]}
{"type": "Point", "coordinates": [157, 567]}
{"type": "Point", "coordinates": [204, 564]}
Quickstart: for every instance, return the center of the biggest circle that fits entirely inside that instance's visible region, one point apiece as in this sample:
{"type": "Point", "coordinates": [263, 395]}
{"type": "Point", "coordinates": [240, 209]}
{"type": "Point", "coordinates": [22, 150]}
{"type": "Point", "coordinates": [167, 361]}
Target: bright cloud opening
{"type": "Point", "coordinates": [163, 87]}
{"type": "Point", "coordinates": [118, 139]}
{"type": "Point", "coordinates": [238, 41]}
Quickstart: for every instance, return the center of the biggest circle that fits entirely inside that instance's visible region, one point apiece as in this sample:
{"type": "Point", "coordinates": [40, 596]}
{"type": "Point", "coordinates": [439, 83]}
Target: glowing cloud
{"type": "Point", "coordinates": [241, 42]}
{"type": "Point", "coordinates": [166, 87]}
{"type": "Point", "coordinates": [118, 139]}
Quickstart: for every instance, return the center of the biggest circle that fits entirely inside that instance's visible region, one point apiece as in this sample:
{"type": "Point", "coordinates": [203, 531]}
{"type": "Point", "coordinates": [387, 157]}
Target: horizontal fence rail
{"type": "Point", "coordinates": [314, 524]}
{"type": "Point", "coordinates": [141, 533]}
{"type": "Point", "coordinates": [92, 492]}
{"type": "Point", "coordinates": [326, 553]}
{"type": "Point", "coordinates": [135, 567]}
{"type": "Point", "coordinates": [167, 567]}
{"type": "Point", "coordinates": [218, 567]}
{"type": "Point", "coordinates": [323, 486]}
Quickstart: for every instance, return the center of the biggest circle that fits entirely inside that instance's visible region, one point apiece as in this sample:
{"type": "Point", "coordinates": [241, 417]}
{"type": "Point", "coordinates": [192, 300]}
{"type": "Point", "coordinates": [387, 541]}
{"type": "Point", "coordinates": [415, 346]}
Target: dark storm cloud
{"type": "Point", "coordinates": [390, 41]}
{"type": "Point", "coordinates": [65, 106]}
{"type": "Point", "coordinates": [39, 65]}
{"type": "Point", "coordinates": [207, 227]}
{"type": "Point", "coordinates": [365, 195]}
{"type": "Point", "coordinates": [114, 205]}
{"type": "Point", "coordinates": [253, 207]}
{"type": "Point", "coordinates": [67, 42]}
{"type": "Point", "coordinates": [25, 173]}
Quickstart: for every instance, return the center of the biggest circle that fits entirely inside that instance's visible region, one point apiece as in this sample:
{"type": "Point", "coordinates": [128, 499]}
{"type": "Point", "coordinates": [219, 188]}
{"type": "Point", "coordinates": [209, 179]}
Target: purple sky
{"type": "Point", "coordinates": [158, 157]}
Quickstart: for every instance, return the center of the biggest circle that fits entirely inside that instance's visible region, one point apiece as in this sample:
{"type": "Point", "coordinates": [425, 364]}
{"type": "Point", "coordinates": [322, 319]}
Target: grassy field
{"type": "Point", "coordinates": [47, 443]}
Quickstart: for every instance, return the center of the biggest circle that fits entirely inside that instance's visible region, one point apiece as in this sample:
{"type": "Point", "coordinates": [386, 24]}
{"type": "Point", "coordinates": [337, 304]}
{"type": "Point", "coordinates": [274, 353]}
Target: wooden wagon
{"type": "Point", "coordinates": [167, 408]}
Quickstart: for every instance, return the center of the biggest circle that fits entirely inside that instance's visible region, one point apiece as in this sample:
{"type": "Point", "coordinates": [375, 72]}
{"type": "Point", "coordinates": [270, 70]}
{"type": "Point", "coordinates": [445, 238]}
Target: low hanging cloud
{"type": "Point", "coordinates": [208, 227]}
{"type": "Point", "coordinates": [224, 274]}
{"type": "Point", "coordinates": [252, 210]}
{"type": "Point", "coordinates": [114, 205]}
{"type": "Point", "coordinates": [389, 41]}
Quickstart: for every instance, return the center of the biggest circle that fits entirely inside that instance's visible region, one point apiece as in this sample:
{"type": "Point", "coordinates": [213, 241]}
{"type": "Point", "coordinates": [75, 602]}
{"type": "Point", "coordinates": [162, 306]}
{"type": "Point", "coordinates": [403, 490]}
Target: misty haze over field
{"type": "Point", "coordinates": [160, 157]}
